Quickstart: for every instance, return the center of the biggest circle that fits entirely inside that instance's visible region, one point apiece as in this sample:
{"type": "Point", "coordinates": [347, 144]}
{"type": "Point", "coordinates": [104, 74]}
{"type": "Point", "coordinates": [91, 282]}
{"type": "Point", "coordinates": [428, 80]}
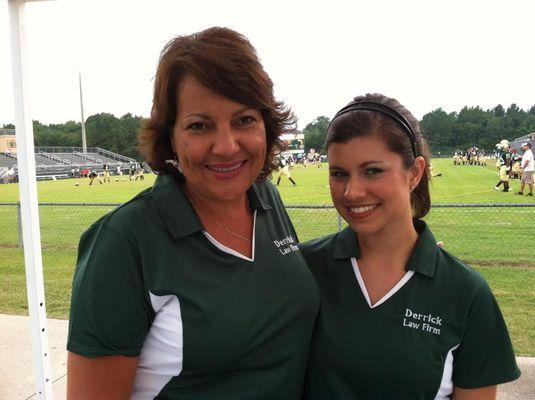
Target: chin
{"type": "Point", "coordinates": [223, 194]}
{"type": "Point", "coordinates": [368, 227]}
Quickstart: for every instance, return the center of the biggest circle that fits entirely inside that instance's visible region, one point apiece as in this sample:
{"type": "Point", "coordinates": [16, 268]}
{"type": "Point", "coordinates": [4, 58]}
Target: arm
{"type": "Point", "coordinates": [484, 393]}
{"type": "Point", "coordinates": [100, 378]}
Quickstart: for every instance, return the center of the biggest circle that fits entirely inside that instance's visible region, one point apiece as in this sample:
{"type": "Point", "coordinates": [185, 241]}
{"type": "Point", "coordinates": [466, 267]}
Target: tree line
{"type": "Point", "coordinates": [103, 130]}
{"type": "Point", "coordinates": [445, 132]}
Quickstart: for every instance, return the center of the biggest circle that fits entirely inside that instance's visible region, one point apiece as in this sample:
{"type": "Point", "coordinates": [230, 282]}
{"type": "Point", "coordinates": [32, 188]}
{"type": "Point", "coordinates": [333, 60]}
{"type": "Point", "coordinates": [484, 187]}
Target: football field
{"type": "Point", "coordinates": [498, 241]}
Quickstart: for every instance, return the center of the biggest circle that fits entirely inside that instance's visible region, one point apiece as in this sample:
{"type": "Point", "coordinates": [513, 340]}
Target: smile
{"type": "Point", "coordinates": [223, 169]}
{"type": "Point", "coordinates": [362, 209]}
{"type": "Point", "coordinates": [226, 171]}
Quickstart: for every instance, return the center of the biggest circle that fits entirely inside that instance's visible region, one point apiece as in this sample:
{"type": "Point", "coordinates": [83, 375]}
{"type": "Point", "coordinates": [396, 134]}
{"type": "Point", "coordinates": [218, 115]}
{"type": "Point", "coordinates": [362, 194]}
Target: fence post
{"type": "Point", "coordinates": [339, 222]}
{"type": "Point", "coordinates": [19, 217]}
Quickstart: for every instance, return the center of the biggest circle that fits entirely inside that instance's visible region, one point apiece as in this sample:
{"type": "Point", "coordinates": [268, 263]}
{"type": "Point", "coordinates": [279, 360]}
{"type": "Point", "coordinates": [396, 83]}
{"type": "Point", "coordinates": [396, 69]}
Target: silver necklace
{"type": "Point", "coordinates": [226, 229]}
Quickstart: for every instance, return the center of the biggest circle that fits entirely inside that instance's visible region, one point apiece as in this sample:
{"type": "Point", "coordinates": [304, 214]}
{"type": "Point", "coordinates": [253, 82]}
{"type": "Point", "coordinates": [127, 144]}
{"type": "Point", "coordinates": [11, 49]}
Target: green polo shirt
{"type": "Point", "coordinates": [439, 327]}
{"type": "Point", "coordinates": [206, 322]}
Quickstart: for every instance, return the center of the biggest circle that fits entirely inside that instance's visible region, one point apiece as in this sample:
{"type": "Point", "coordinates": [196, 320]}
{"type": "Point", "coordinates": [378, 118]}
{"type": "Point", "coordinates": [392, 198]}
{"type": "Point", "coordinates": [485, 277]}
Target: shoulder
{"type": "Point", "coordinates": [319, 252]}
{"type": "Point", "coordinates": [264, 195]}
{"type": "Point", "coordinates": [460, 276]}
{"type": "Point", "coordinates": [267, 192]}
{"type": "Point", "coordinates": [127, 219]}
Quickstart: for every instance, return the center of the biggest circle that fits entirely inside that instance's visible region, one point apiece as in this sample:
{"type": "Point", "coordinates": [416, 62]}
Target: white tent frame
{"type": "Point", "coordinates": [28, 198]}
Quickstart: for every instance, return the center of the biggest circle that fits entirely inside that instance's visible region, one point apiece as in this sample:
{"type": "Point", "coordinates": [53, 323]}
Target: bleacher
{"type": "Point", "coordinates": [517, 143]}
{"type": "Point", "coordinates": [7, 161]}
{"type": "Point", "coordinates": [59, 162]}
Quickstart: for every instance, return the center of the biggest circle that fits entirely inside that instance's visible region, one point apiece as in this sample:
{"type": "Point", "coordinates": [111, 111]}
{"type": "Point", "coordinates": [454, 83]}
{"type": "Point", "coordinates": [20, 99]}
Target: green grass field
{"type": "Point", "coordinates": [459, 184]}
{"type": "Point", "coordinates": [491, 239]}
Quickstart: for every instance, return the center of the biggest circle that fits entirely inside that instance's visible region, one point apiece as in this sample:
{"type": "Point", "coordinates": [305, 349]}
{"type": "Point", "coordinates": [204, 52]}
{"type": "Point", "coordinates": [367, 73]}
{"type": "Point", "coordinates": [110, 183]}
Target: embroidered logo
{"type": "Point", "coordinates": [286, 245]}
{"type": "Point", "coordinates": [425, 322]}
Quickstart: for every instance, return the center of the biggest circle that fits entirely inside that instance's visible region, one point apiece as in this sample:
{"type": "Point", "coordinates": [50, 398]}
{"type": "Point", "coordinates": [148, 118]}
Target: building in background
{"type": "Point", "coordinates": [8, 141]}
{"type": "Point", "coordinates": [295, 143]}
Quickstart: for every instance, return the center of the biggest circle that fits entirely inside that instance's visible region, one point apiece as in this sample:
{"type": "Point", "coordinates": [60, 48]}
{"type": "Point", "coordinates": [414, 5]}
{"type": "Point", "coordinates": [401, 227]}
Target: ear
{"type": "Point", "coordinates": [419, 167]}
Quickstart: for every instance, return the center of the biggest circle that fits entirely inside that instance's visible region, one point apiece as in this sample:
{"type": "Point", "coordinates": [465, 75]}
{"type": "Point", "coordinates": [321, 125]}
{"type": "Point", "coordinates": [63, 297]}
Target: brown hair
{"type": "Point", "coordinates": [226, 63]}
{"type": "Point", "coordinates": [357, 123]}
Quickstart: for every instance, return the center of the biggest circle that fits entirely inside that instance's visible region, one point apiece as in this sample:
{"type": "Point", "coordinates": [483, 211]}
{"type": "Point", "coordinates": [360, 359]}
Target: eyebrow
{"type": "Point", "coordinates": [241, 110]}
{"type": "Point", "coordinates": [364, 164]}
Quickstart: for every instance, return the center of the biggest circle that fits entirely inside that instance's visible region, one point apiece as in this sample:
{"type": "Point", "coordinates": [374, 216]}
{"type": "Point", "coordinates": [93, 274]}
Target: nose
{"type": "Point", "coordinates": [354, 188]}
{"type": "Point", "coordinates": [226, 142]}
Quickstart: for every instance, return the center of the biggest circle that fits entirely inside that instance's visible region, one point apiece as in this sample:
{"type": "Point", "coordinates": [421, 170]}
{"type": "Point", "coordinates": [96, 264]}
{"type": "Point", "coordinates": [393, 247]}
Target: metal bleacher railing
{"type": "Point", "coordinates": [58, 162]}
{"type": "Point", "coordinates": [481, 234]}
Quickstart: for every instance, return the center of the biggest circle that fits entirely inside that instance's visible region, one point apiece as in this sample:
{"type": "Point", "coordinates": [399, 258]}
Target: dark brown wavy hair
{"type": "Point", "coordinates": [226, 63]}
{"type": "Point", "coordinates": [361, 123]}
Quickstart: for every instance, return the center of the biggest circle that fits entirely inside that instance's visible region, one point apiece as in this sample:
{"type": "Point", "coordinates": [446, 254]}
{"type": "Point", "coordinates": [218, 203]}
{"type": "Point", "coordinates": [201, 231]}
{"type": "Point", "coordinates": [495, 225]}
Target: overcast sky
{"type": "Point", "coordinates": [427, 54]}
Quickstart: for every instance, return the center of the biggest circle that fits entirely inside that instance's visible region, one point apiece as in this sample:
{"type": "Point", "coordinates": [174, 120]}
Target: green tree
{"type": "Point", "coordinates": [440, 130]}
{"type": "Point", "coordinates": [315, 133]}
{"type": "Point", "coordinates": [498, 111]}
{"type": "Point", "coordinates": [115, 134]}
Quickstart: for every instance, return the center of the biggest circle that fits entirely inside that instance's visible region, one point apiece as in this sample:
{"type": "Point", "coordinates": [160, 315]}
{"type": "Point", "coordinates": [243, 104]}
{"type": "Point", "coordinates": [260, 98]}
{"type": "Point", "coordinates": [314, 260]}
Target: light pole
{"type": "Point", "coordinates": [84, 141]}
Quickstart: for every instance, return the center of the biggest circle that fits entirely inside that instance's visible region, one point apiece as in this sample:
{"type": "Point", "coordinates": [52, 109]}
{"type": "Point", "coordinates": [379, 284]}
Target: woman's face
{"type": "Point", "coordinates": [370, 187]}
{"type": "Point", "coordinates": [221, 144]}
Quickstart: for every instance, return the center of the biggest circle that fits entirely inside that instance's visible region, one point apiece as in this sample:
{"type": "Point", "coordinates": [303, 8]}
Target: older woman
{"type": "Point", "coordinates": [400, 317]}
{"type": "Point", "coordinates": [194, 288]}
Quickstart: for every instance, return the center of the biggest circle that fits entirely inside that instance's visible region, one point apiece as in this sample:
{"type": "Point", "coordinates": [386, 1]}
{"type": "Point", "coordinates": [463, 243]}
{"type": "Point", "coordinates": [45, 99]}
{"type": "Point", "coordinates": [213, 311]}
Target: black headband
{"type": "Point", "coordinates": [385, 110]}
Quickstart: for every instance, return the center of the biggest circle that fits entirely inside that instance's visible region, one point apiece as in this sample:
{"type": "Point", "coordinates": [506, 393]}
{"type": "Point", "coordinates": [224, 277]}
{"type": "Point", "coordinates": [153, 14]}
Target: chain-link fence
{"type": "Point", "coordinates": [483, 234]}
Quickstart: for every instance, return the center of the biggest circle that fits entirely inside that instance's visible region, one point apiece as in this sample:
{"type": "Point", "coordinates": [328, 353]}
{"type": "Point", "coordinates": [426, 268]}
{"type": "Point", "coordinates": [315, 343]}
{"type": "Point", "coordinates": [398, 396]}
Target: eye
{"type": "Point", "coordinates": [372, 171]}
{"type": "Point", "coordinates": [245, 120]}
{"type": "Point", "coordinates": [337, 175]}
{"type": "Point", "coordinates": [197, 126]}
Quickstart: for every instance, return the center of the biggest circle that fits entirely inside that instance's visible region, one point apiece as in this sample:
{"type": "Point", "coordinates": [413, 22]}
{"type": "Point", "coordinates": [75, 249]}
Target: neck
{"type": "Point", "coordinates": [396, 242]}
{"type": "Point", "coordinates": [217, 207]}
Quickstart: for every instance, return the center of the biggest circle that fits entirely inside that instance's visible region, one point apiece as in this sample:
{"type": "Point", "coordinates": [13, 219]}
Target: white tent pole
{"type": "Point", "coordinates": [29, 202]}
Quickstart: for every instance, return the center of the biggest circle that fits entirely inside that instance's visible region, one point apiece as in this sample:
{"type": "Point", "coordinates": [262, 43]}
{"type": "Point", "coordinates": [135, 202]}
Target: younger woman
{"type": "Point", "coordinates": [400, 318]}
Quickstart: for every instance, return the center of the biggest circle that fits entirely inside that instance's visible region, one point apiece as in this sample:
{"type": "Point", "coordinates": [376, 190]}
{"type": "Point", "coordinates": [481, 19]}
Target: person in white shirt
{"type": "Point", "coordinates": [528, 166]}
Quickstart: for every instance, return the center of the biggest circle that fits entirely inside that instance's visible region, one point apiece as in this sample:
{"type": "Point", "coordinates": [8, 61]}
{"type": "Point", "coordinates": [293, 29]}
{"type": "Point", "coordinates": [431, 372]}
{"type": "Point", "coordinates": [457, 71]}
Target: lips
{"type": "Point", "coordinates": [226, 170]}
{"type": "Point", "coordinates": [362, 211]}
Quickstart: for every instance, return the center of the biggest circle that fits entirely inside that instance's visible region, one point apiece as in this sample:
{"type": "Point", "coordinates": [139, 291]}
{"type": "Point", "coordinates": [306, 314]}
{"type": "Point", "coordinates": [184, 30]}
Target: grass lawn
{"type": "Point", "coordinates": [490, 239]}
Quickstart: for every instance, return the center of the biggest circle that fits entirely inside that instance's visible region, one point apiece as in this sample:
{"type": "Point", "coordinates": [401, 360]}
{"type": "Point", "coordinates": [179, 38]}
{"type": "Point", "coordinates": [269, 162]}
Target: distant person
{"type": "Point", "coordinates": [400, 318]}
{"type": "Point", "coordinates": [94, 175]}
{"type": "Point", "coordinates": [106, 172]}
{"type": "Point", "coordinates": [119, 171]}
{"type": "Point", "coordinates": [10, 175]}
{"type": "Point", "coordinates": [432, 171]}
{"type": "Point", "coordinates": [457, 159]}
{"type": "Point", "coordinates": [515, 164]}
{"type": "Point", "coordinates": [317, 158]}
{"type": "Point", "coordinates": [528, 166]}
{"type": "Point", "coordinates": [284, 170]}
{"type": "Point", "coordinates": [132, 170]}
{"type": "Point", "coordinates": [139, 172]}
{"type": "Point", "coordinates": [291, 161]}
{"type": "Point", "coordinates": [504, 161]}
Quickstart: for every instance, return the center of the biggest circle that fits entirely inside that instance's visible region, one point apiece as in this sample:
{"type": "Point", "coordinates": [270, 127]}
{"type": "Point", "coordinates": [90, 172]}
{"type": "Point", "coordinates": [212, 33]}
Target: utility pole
{"type": "Point", "coordinates": [84, 141]}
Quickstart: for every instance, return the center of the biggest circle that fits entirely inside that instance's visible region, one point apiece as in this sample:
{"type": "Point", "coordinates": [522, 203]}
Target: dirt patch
{"type": "Point", "coordinates": [501, 264]}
